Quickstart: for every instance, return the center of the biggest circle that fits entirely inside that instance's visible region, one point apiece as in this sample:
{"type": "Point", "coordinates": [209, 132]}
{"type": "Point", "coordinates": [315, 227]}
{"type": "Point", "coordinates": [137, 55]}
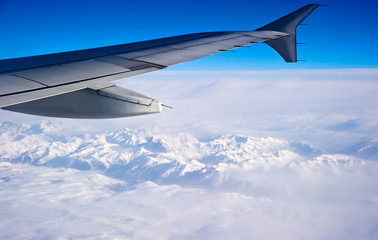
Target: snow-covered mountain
{"type": "Point", "coordinates": [161, 186]}
{"type": "Point", "coordinates": [138, 155]}
{"type": "Point", "coordinates": [365, 149]}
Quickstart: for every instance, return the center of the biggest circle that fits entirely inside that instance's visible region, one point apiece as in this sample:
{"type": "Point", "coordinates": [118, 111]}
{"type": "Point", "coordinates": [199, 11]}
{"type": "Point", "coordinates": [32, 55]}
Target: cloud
{"type": "Point", "coordinates": [179, 187]}
{"type": "Point", "coordinates": [248, 154]}
{"type": "Point", "coordinates": [300, 105]}
{"type": "Point", "coordinates": [40, 202]}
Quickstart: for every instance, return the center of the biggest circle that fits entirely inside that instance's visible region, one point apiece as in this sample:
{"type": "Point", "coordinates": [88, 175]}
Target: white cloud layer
{"type": "Point", "coordinates": [178, 187]}
{"type": "Point", "coordinates": [39, 202]}
{"type": "Point", "coordinates": [243, 155]}
{"type": "Point", "coordinates": [330, 109]}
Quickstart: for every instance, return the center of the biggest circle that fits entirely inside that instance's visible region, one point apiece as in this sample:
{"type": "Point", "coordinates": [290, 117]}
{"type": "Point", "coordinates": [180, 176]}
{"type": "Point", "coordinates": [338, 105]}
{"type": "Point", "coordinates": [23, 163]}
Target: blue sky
{"type": "Point", "coordinates": [341, 35]}
{"type": "Point", "coordinates": [290, 147]}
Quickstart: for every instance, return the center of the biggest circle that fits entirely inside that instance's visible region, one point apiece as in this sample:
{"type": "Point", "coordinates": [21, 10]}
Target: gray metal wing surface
{"type": "Point", "coordinates": [78, 84]}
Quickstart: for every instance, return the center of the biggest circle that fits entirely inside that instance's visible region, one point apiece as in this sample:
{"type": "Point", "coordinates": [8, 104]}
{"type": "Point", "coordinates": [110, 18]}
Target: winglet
{"type": "Point", "coordinates": [287, 46]}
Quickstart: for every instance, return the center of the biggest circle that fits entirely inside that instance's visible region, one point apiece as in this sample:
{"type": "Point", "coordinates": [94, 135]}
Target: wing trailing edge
{"type": "Point", "coordinates": [287, 46]}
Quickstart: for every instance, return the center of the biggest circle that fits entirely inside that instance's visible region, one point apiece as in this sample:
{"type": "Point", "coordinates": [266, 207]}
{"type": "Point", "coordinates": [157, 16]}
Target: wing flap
{"type": "Point", "coordinates": [177, 56]}
{"type": "Point", "coordinates": [208, 40]}
{"type": "Point", "coordinates": [132, 65]}
{"type": "Point", "coordinates": [145, 52]}
{"type": "Point", "coordinates": [10, 84]}
{"type": "Point", "coordinates": [71, 72]}
{"type": "Point", "coordinates": [95, 84]}
{"type": "Point", "coordinates": [194, 49]}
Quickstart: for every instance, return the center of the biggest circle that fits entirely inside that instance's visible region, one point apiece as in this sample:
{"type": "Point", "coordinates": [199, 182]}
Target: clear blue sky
{"type": "Point", "coordinates": [342, 35]}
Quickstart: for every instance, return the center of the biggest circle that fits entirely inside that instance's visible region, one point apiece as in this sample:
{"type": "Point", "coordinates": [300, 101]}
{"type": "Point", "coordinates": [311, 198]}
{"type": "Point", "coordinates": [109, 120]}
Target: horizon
{"type": "Point", "coordinates": [254, 148]}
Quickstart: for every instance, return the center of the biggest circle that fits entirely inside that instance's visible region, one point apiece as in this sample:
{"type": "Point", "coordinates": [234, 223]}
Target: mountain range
{"type": "Point", "coordinates": [137, 155]}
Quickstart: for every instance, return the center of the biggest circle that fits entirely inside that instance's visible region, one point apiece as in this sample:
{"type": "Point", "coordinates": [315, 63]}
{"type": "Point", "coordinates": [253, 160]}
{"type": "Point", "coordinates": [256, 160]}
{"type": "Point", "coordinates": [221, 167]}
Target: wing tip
{"type": "Point", "coordinates": [287, 46]}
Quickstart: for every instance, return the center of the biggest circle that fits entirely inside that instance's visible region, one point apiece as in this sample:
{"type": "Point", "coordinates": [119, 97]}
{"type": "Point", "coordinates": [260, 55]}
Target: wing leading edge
{"type": "Point", "coordinates": [78, 84]}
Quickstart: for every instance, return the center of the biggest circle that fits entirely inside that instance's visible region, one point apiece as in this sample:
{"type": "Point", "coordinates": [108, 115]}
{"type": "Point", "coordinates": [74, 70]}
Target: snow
{"type": "Point", "coordinates": [140, 155]}
{"type": "Point", "coordinates": [40, 202]}
{"type": "Point", "coordinates": [137, 184]}
{"type": "Point", "coordinates": [243, 155]}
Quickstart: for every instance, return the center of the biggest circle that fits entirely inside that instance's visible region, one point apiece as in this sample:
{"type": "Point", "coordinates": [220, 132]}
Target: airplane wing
{"type": "Point", "coordinates": [78, 84]}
